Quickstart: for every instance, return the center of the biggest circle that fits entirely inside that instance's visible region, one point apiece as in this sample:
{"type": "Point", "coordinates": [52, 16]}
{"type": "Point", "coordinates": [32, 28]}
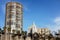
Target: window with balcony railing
{"type": "Point", "coordinates": [10, 7]}
{"type": "Point", "coordinates": [10, 23]}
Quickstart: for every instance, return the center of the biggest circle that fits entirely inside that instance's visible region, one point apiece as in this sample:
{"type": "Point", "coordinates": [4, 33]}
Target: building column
{"type": "Point", "coordinates": [1, 36]}
{"type": "Point", "coordinates": [7, 36]}
{"type": "Point", "coordinates": [28, 38]}
{"type": "Point", "coordinates": [16, 38]}
{"type": "Point", "coordinates": [10, 36]}
{"type": "Point", "coordinates": [21, 38]}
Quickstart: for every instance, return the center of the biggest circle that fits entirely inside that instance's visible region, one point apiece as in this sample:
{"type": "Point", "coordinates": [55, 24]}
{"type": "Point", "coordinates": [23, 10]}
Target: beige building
{"type": "Point", "coordinates": [45, 31]}
{"type": "Point", "coordinates": [34, 29]}
{"type": "Point", "coordinates": [13, 22]}
{"type": "Point", "coordinates": [14, 17]}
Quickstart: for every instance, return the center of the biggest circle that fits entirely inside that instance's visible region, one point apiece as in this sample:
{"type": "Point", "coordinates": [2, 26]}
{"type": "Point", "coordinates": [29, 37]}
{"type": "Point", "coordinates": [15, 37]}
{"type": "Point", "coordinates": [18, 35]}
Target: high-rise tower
{"type": "Point", "coordinates": [14, 17]}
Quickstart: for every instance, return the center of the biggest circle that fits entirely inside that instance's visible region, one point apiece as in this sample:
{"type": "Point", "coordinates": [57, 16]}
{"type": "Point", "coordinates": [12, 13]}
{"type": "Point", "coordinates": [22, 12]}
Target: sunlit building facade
{"type": "Point", "coordinates": [45, 31]}
{"type": "Point", "coordinates": [14, 17]}
{"type": "Point", "coordinates": [41, 31]}
{"type": "Point", "coordinates": [32, 28]}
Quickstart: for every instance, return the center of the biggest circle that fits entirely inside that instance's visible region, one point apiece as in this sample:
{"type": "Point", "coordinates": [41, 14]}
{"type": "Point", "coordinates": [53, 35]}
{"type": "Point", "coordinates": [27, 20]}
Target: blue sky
{"type": "Point", "coordinates": [45, 13]}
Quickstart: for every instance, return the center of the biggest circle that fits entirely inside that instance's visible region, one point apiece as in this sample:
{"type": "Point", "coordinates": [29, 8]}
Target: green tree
{"type": "Point", "coordinates": [24, 33]}
{"type": "Point", "coordinates": [35, 36]}
{"type": "Point", "coordinates": [50, 36]}
{"type": "Point", "coordinates": [9, 29]}
{"type": "Point", "coordinates": [13, 31]}
{"type": "Point", "coordinates": [0, 30]}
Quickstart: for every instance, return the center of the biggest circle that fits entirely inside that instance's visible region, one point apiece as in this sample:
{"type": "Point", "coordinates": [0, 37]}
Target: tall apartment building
{"type": "Point", "coordinates": [14, 17]}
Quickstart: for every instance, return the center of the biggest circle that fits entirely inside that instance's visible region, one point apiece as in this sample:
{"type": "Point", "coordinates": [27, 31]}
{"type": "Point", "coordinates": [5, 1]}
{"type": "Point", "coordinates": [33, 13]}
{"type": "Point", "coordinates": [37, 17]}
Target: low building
{"type": "Point", "coordinates": [45, 31]}
{"type": "Point", "coordinates": [33, 28]}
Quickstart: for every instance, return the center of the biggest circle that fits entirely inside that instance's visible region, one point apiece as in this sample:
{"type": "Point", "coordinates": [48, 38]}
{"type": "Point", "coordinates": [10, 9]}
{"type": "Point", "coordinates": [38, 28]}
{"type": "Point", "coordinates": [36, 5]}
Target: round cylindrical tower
{"type": "Point", "coordinates": [14, 17]}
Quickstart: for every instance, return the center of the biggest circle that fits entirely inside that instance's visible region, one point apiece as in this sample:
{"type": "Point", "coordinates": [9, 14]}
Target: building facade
{"type": "Point", "coordinates": [41, 31]}
{"type": "Point", "coordinates": [33, 28]}
{"type": "Point", "coordinates": [45, 31]}
{"type": "Point", "coordinates": [14, 17]}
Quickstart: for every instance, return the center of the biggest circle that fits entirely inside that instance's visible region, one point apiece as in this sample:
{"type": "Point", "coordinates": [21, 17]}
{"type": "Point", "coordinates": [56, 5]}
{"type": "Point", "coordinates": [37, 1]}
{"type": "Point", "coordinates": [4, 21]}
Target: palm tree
{"type": "Point", "coordinates": [24, 33]}
{"type": "Point", "coordinates": [30, 34]}
{"type": "Point", "coordinates": [9, 30]}
{"type": "Point", "coordinates": [0, 30]}
{"type": "Point", "coordinates": [35, 36]}
{"type": "Point", "coordinates": [50, 36]}
{"type": "Point", "coordinates": [13, 31]}
{"type": "Point", "coordinates": [57, 38]}
{"type": "Point", "coordinates": [4, 29]}
{"type": "Point", "coordinates": [18, 33]}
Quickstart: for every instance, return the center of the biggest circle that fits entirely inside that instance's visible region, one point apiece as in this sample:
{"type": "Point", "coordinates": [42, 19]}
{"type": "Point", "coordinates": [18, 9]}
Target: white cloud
{"type": "Point", "coordinates": [57, 23]}
{"type": "Point", "coordinates": [57, 20]}
{"type": "Point", "coordinates": [55, 26]}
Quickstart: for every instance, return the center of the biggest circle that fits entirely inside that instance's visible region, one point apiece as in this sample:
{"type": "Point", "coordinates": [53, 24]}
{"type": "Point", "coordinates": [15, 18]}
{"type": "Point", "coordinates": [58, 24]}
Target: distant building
{"type": "Point", "coordinates": [14, 17]}
{"type": "Point", "coordinates": [41, 31]}
{"type": "Point", "coordinates": [45, 31]}
{"type": "Point", "coordinates": [32, 28]}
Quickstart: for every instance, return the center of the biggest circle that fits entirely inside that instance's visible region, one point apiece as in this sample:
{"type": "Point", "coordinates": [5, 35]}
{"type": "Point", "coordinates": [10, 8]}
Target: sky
{"type": "Point", "coordinates": [45, 13]}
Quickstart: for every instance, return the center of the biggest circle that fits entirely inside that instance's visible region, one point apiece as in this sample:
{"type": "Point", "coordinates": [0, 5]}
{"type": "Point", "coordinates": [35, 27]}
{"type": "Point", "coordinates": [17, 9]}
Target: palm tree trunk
{"type": "Point", "coordinates": [1, 36]}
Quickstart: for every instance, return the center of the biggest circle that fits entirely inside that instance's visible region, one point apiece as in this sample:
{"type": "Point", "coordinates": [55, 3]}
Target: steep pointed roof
{"type": "Point", "coordinates": [34, 28]}
{"type": "Point", "coordinates": [33, 24]}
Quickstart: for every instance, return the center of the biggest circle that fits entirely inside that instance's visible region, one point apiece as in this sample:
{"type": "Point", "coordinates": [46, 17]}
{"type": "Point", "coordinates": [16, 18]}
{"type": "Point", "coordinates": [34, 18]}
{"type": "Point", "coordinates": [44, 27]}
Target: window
{"type": "Point", "coordinates": [12, 15]}
{"type": "Point", "coordinates": [18, 13]}
{"type": "Point", "coordinates": [17, 25]}
{"type": "Point", "coordinates": [18, 16]}
{"type": "Point", "coordinates": [9, 16]}
{"type": "Point", "coordinates": [11, 9]}
{"type": "Point", "coordinates": [10, 23]}
{"type": "Point", "coordinates": [17, 7]}
{"type": "Point", "coordinates": [10, 6]}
